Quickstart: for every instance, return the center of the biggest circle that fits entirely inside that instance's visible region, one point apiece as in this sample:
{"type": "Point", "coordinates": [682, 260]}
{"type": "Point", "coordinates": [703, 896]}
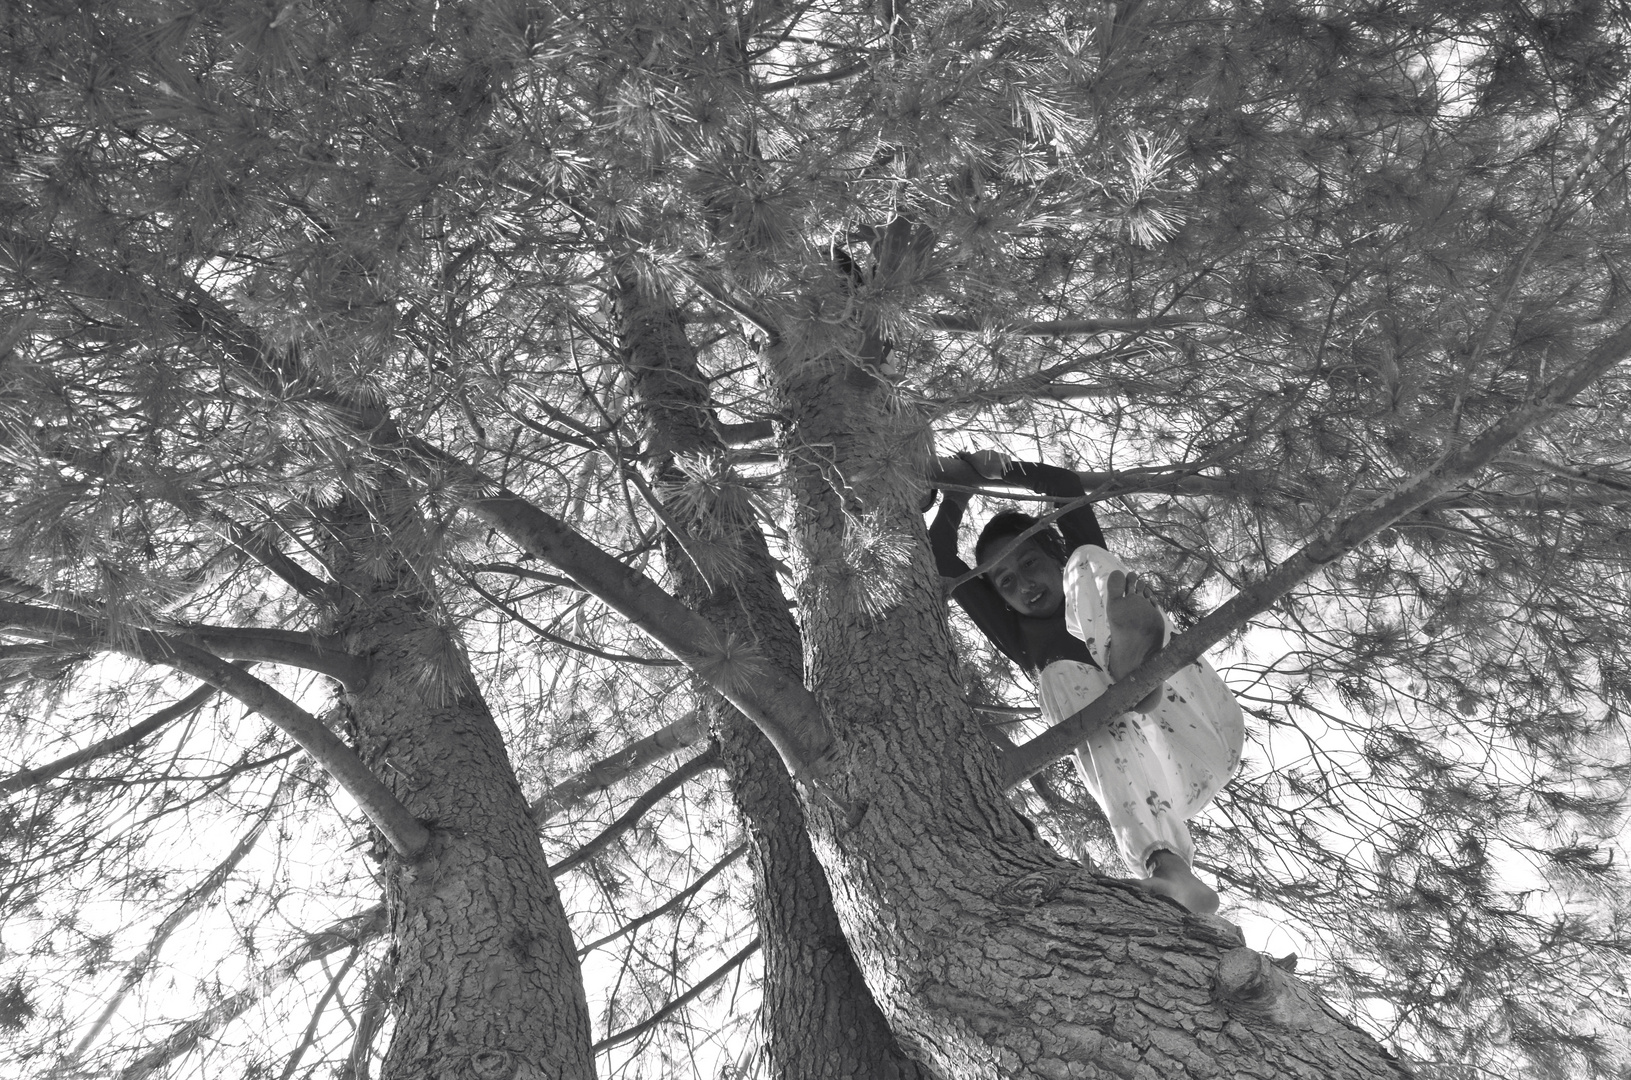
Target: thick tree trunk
{"type": "Point", "coordinates": [487, 984]}
{"type": "Point", "coordinates": [988, 952]}
{"type": "Point", "coordinates": [820, 1022]}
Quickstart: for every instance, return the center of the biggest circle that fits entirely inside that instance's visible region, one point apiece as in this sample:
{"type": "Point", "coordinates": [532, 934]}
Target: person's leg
{"type": "Point", "coordinates": [1171, 876]}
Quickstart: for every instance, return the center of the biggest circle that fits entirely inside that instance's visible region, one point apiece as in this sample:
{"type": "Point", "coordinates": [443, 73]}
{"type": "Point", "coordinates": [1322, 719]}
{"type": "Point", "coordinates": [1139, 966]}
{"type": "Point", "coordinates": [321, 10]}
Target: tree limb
{"type": "Point", "coordinates": [775, 701]}
{"type": "Point", "coordinates": [966, 324]}
{"type": "Point", "coordinates": [671, 903]}
{"type": "Point", "coordinates": [27, 778]}
{"type": "Point", "coordinates": [680, 1002]}
{"type": "Point", "coordinates": [399, 827]}
{"type": "Point", "coordinates": [314, 652]}
{"type": "Point", "coordinates": [1333, 543]}
{"type": "Point", "coordinates": [708, 759]}
{"type": "Point", "coordinates": [663, 742]}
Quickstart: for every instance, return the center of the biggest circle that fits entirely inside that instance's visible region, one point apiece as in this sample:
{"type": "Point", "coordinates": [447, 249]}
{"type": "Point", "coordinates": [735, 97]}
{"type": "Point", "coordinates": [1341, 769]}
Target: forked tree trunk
{"type": "Point", "coordinates": [487, 984]}
{"type": "Point", "coordinates": [990, 954]}
{"type": "Point", "coordinates": [820, 1022]}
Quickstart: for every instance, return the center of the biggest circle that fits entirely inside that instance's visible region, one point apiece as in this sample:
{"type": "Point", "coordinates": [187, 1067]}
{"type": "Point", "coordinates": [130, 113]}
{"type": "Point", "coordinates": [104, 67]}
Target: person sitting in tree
{"type": "Point", "coordinates": [1066, 610]}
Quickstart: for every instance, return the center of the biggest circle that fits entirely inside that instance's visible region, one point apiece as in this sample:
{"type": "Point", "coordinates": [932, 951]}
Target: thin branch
{"type": "Point", "coordinates": [673, 902]}
{"type": "Point", "coordinates": [776, 701]}
{"type": "Point", "coordinates": [817, 79]}
{"type": "Point", "coordinates": [1451, 469]}
{"type": "Point", "coordinates": [680, 1002]}
{"type": "Point", "coordinates": [352, 932]}
{"type": "Point", "coordinates": [399, 827]}
{"type": "Point", "coordinates": [662, 743]}
{"type": "Point", "coordinates": [524, 572]}
{"type": "Point", "coordinates": [27, 778]}
{"type": "Point", "coordinates": [195, 899]}
{"type": "Point", "coordinates": [310, 1034]}
{"type": "Point", "coordinates": [373, 1018]}
{"type": "Point", "coordinates": [708, 759]}
{"type": "Point", "coordinates": [568, 643]}
{"type": "Point", "coordinates": [965, 324]}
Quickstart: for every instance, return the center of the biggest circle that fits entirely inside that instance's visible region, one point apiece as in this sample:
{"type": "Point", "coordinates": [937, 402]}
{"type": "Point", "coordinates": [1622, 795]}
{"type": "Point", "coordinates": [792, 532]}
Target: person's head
{"type": "Point", "coordinates": [1029, 575]}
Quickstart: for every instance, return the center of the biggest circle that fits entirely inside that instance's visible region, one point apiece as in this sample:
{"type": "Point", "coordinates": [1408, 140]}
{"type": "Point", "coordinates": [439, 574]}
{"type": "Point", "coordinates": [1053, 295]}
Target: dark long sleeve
{"type": "Point", "coordinates": [995, 619]}
{"type": "Point", "coordinates": [1079, 526]}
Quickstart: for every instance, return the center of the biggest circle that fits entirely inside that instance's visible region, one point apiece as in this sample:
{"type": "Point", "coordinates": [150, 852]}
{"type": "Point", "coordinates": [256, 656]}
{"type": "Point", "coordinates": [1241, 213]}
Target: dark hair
{"type": "Point", "coordinates": [1011, 523]}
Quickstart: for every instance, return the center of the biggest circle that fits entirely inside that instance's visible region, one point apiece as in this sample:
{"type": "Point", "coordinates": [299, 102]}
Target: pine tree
{"type": "Point", "coordinates": [301, 296]}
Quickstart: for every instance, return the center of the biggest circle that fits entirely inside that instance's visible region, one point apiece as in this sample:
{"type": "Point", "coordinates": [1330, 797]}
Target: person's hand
{"type": "Point", "coordinates": [991, 464]}
{"type": "Point", "coordinates": [953, 470]}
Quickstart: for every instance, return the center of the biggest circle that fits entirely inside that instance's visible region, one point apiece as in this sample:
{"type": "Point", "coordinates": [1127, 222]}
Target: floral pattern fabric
{"type": "Point", "coordinates": [1150, 772]}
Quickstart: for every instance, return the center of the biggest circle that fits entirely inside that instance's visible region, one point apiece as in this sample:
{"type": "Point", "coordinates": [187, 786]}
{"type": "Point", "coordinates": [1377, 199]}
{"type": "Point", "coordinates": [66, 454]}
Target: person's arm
{"type": "Point", "coordinates": [995, 619]}
{"type": "Point", "coordinates": [1079, 526]}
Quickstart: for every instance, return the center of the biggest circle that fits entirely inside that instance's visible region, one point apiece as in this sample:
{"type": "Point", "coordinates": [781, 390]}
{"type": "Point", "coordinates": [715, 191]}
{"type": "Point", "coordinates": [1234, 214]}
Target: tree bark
{"type": "Point", "coordinates": [487, 982]}
{"type": "Point", "coordinates": [991, 955]}
{"type": "Point", "coordinates": [819, 1020]}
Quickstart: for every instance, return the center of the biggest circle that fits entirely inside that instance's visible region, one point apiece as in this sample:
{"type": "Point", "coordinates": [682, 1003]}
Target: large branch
{"type": "Point", "coordinates": [1451, 469]}
{"type": "Point", "coordinates": [399, 827]}
{"type": "Point", "coordinates": [314, 652]}
{"type": "Point", "coordinates": [777, 703]}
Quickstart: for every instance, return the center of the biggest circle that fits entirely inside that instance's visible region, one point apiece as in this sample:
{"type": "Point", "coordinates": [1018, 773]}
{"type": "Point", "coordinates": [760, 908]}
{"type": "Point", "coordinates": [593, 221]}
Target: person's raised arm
{"type": "Point", "coordinates": [995, 619]}
{"type": "Point", "coordinates": [1079, 526]}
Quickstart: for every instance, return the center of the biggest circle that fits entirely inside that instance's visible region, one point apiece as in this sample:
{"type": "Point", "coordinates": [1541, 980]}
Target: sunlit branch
{"type": "Point", "coordinates": [1453, 468]}
{"type": "Point", "coordinates": [708, 759]}
{"type": "Point", "coordinates": [680, 1002]}
{"type": "Point", "coordinates": [399, 827]}
{"type": "Point", "coordinates": [671, 903]}
{"type": "Point", "coordinates": [664, 742]}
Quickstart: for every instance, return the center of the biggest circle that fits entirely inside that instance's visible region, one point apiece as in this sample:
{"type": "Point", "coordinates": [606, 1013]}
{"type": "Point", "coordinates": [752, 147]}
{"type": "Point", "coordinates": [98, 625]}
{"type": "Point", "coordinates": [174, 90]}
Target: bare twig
{"type": "Point", "coordinates": [669, 905]}
{"type": "Point", "coordinates": [27, 778]}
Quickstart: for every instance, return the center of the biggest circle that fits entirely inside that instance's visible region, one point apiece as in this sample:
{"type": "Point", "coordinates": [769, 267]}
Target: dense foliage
{"type": "Point", "coordinates": [1248, 265]}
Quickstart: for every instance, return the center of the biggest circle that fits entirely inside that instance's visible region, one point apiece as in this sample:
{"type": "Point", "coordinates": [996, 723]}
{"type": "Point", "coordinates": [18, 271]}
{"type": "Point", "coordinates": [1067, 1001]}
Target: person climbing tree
{"type": "Point", "coordinates": [1059, 604]}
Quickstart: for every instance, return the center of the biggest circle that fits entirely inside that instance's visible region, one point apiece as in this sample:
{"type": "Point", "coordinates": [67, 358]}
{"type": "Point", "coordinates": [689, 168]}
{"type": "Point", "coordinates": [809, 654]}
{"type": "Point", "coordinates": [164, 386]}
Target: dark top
{"type": "Point", "coordinates": [1032, 643]}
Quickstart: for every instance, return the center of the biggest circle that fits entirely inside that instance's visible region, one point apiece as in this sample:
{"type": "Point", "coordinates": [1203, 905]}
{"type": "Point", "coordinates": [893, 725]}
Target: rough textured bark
{"type": "Point", "coordinates": [487, 983]}
{"type": "Point", "coordinates": [989, 953]}
{"type": "Point", "coordinates": [819, 1019]}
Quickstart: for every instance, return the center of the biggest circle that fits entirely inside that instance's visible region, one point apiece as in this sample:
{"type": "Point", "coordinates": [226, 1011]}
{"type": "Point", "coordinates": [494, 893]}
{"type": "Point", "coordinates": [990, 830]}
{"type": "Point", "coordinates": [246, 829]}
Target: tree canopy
{"type": "Point", "coordinates": [493, 398]}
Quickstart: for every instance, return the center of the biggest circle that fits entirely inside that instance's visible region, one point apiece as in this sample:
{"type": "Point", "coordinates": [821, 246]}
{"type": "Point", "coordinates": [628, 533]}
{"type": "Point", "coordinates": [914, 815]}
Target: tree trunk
{"type": "Point", "coordinates": [989, 953]}
{"type": "Point", "coordinates": [820, 1022]}
{"type": "Point", "coordinates": [487, 983]}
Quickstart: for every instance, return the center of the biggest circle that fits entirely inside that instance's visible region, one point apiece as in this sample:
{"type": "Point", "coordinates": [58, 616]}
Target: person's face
{"type": "Point", "coordinates": [1030, 582]}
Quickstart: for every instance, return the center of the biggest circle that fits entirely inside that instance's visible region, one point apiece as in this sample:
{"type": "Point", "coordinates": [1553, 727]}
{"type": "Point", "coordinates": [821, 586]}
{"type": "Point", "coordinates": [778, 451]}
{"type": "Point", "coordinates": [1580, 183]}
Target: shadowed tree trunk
{"type": "Point", "coordinates": [487, 983]}
{"type": "Point", "coordinates": [819, 1019]}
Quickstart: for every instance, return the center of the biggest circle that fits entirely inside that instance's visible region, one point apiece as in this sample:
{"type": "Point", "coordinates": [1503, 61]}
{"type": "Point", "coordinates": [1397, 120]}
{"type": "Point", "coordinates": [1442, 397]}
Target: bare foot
{"type": "Point", "coordinates": [1136, 629]}
{"type": "Point", "coordinates": [1171, 877]}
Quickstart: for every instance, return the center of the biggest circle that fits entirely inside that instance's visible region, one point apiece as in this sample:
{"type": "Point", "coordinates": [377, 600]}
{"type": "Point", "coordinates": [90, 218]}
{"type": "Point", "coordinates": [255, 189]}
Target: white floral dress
{"type": "Point", "coordinates": [1150, 772]}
